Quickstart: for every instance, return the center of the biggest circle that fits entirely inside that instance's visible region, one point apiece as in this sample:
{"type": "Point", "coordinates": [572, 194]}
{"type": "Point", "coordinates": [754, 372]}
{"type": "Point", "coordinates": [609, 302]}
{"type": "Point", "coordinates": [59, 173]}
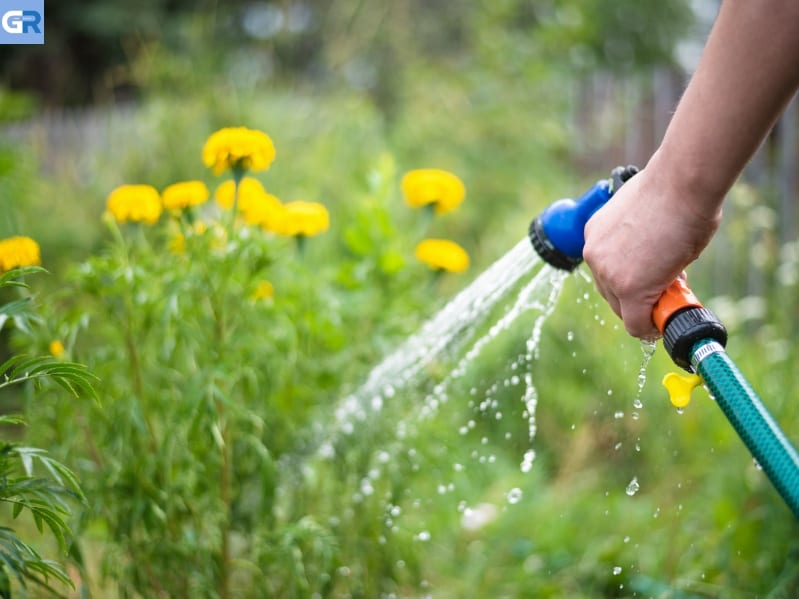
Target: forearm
{"type": "Point", "coordinates": [748, 72]}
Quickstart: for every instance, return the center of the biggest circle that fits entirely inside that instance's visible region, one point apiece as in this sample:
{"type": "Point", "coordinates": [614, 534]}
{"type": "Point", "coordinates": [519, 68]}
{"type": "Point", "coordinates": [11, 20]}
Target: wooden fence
{"type": "Point", "coordinates": [621, 121]}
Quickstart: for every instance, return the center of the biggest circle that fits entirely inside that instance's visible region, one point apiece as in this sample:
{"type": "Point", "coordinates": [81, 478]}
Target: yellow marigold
{"type": "Point", "coordinates": [442, 254]}
{"type": "Point", "coordinates": [56, 348]}
{"type": "Point", "coordinates": [248, 189]}
{"type": "Point", "coordinates": [18, 251]}
{"type": "Point", "coordinates": [264, 291]}
{"type": "Point", "coordinates": [238, 148]}
{"type": "Point", "coordinates": [135, 203]}
{"type": "Point", "coordinates": [431, 186]}
{"type": "Point", "coordinates": [256, 205]}
{"type": "Point", "coordinates": [301, 218]}
{"type": "Point", "coordinates": [184, 194]}
{"type": "Point", "coordinates": [262, 210]}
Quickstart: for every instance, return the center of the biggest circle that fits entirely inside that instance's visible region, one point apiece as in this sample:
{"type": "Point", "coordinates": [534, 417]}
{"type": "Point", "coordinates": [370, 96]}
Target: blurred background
{"type": "Point", "coordinates": [527, 101]}
{"type": "Point", "coordinates": [513, 88]}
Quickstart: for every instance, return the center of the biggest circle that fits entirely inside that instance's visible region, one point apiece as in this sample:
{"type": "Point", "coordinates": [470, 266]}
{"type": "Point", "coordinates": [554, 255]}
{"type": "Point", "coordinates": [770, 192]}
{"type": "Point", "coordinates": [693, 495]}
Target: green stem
{"type": "Point", "coordinates": [238, 175]}
{"type": "Point", "coordinates": [225, 495]}
{"type": "Point", "coordinates": [217, 304]}
{"type": "Point", "coordinates": [301, 244]}
{"type": "Point", "coordinates": [129, 337]}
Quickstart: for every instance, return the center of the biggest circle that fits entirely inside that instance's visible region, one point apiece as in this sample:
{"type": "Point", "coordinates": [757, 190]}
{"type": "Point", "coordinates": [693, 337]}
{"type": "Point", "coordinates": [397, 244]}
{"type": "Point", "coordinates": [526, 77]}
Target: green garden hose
{"type": "Point", "coordinates": [750, 419]}
{"type": "Point", "coordinates": [695, 340]}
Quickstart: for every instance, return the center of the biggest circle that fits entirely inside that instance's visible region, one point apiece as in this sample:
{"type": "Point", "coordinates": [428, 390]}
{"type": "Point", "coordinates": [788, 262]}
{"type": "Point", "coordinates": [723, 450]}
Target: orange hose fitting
{"type": "Point", "coordinates": [676, 297]}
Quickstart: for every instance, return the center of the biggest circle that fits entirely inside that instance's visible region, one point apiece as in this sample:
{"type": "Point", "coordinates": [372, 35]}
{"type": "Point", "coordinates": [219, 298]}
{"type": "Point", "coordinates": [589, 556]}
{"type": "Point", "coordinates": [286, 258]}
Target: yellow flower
{"type": "Point", "coordinates": [442, 254]}
{"type": "Point", "coordinates": [248, 187]}
{"type": "Point", "coordinates": [238, 148]}
{"type": "Point", "coordinates": [430, 186]}
{"type": "Point", "coordinates": [182, 195]}
{"type": "Point", "coordinates": [256, 205]}
{"type": "Point", "coordinates": [264, 291]}
{"type": "Point", "coordinates": [56, 348]}
{"type": "Point", "coordinates": [262, 210]}
{"type": "Point", "coordinates": [177, 244]}
{"type": "Point", "coordinates": [135, 203]}
{"type": "Point", "coordinates": [301, 218]}
{"type": "Point", "coordinates": [18, 251]}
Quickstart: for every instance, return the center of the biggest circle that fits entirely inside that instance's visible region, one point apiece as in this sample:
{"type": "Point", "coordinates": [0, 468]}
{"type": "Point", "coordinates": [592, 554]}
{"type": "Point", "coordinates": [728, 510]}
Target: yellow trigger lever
{"type": "Point", "coordinates": [680, 386]}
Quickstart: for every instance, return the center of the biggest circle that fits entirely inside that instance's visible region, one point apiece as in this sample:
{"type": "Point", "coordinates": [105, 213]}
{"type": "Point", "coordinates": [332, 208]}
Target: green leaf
{"type": "Point", "coordinates": [12, 419]}
{"type": "Point", "coordinates": [9, 279]}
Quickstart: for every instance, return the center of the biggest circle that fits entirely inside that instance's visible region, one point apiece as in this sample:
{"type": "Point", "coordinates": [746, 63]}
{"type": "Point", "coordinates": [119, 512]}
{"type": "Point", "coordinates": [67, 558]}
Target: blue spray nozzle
{"type": "Point", "coordinates": [557, 234]}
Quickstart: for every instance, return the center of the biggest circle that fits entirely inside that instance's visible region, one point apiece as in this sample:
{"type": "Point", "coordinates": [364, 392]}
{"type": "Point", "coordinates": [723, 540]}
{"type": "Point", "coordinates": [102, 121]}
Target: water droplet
{"type": "Point", "coordinates": [626, 539]}
{"type": "Point", "coordinates": [570, 335]}
{"type": "Point", "coordinates": [527, 461]}
{"type": "Point", "coordinates": [616, 570]}
{"type": "Point", "coordinates": [635, 415]}
{"type": "Point", "coordinates": [637, 403]}
{"type": "Point", "coordinates": [680, 411]}
{"type": "Point", "coordinates": [757, 464]}
{"type": "Point", "coordinates": [633, 486]}
{"type": "Point", "coordinates": [514, 495]}
{"type": "Point", "coordinates": [618, 415]}
{"type": "Point", "coordinates": [423, 536]}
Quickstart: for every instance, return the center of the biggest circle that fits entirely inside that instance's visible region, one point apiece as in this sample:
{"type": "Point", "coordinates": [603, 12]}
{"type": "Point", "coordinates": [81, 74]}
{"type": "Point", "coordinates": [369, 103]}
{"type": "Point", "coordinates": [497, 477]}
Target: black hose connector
{"type": "Point", "coordinates": [688, 326]}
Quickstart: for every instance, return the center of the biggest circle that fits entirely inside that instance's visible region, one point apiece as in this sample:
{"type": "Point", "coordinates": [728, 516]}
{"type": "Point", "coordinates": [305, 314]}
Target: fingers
{"type": "Point", "coordinates": [637, 318]}
{"type": "Point", "coordinates": [635, 314]}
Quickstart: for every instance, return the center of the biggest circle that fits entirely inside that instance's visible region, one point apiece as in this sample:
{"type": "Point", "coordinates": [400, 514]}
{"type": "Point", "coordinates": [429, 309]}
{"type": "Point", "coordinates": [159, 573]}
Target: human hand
{"type": "Point", "coordinates": [642, 239]}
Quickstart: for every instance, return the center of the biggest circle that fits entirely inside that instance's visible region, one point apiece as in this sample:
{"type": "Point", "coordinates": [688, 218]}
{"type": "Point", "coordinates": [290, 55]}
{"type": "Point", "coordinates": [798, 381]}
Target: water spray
{"type": "Point", "coordinates": [693, 336]}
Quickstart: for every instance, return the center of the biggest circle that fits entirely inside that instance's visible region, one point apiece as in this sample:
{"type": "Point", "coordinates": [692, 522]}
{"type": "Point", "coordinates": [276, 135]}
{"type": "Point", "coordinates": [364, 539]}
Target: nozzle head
{"type": "Point", "coordinates": [543, 245]}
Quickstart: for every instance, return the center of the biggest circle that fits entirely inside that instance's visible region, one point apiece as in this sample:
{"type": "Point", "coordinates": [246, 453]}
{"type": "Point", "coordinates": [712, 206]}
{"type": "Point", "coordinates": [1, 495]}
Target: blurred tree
{"type": "Point", "coordinates": [91, 49]}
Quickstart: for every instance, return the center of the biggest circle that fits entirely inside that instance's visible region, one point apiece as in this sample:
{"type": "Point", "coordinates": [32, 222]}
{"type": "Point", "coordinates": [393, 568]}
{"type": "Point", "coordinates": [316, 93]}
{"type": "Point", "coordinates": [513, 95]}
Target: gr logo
{"type": "Point", "coordinates": [22, 22]}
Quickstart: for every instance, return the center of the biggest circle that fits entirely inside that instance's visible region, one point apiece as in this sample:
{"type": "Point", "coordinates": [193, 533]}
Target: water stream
{"type": "Point", "coordinates": [453, 328]}
{"type": "Point", "coordinates": [433, 381]}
